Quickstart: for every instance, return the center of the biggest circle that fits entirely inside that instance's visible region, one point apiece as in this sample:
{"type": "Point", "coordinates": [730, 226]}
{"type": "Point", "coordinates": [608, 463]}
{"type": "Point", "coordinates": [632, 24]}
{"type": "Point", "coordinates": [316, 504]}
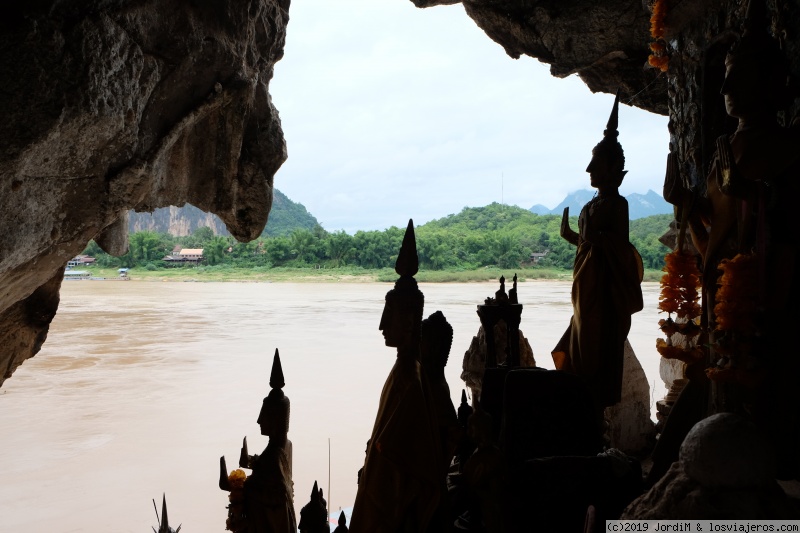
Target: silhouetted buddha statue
{"type": "Point", "coordinates": [400, 485]}
{"type": "Point", "coordinates": [485, 475]}
{"type": "Point", "coordinates": [268, 491]}
{"type": "Point", "coordinates": [314, 515]}
{"type": "Point", "coordinates": [435, 342]}
{"type": "Point", "coordinates": [465, 444]}
{"type": "Point", "coordinates": [607, 277]}
{"type": "Point", "coordinates": [163, 522]}
{"type": "Point", "coordinates": [464, 410]}
{"type": "Point", "coordinates": [342, 527]}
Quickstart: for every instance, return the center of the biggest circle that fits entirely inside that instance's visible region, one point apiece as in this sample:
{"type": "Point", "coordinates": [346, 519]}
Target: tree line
{"type": "Point", "coordinates": [494, 235]}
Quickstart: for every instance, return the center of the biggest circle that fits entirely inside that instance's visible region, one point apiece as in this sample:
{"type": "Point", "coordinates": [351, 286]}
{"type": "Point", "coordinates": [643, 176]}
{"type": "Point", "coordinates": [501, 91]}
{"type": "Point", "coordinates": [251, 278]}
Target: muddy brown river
{"type": "Point", "coordinates": [142, 386]}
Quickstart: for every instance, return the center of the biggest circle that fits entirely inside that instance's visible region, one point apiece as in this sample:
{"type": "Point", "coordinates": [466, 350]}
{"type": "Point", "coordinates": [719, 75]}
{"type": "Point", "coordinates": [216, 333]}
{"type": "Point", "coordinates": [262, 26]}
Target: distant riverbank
{"type": "Point", "coordinates": [326, 275]}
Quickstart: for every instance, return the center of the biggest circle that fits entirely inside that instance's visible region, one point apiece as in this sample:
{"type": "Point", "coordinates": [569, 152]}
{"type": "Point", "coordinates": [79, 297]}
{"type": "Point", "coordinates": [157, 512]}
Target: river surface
{"type": "Point", "coordinates": [142, 386]}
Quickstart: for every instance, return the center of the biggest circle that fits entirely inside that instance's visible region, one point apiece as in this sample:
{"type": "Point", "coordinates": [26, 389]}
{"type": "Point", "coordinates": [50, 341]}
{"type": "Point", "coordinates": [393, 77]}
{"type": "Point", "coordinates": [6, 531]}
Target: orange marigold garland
{"type": "Point", "coordinates": [736, 312]}
{"type": "Point", "coordinates": [236, 521]}
{"type": "Point", "coordinates": [737, 295]}
{"type": "Point", "coordinates": [679, 295]}
{"type": "Point", "coordinates": [659, 58]}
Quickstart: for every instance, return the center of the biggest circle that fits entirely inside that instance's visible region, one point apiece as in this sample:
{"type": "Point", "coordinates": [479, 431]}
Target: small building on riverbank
{"type": "Point", "coordinates": [184, 256]}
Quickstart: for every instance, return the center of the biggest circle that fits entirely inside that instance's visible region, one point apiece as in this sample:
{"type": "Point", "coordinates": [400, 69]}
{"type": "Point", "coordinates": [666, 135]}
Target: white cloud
{"type": "Point", "coordinates": [393, 112]}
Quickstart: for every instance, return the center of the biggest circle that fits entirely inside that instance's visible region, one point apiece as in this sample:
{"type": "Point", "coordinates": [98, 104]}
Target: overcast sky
{"type": "Point", "coordinates": [392, 112]}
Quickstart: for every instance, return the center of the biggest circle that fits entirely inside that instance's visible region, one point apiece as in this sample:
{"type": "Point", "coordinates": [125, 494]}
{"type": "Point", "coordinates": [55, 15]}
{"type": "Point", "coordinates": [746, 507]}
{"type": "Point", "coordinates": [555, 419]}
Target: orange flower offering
{"type": "Point", "coordinates": [661, 62]}
{"type": "Point", "coordinates": [687, 355]}
{"type": "Point", "coordinates": [679, 295]}
{"type": "Point", "coordinates": [235, 521]}
{"type": "Point", "coordinates": [236, 479]}
{"type": "Point", "coordinates": [659, 58]}
{"type": "Point", "coordinates": [657, 19]}
{"type": "Point", "coordinates": [679, 285]}
{"type": "Point", "coordinates": [670, 327]}
{"type": "Point", "coordinates": [737, 294]}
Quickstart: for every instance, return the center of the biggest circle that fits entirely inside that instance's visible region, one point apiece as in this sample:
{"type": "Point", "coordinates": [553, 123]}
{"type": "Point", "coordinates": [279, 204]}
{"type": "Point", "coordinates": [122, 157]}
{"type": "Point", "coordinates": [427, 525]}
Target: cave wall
{"type": "Point", "coordinates": [111, 105]}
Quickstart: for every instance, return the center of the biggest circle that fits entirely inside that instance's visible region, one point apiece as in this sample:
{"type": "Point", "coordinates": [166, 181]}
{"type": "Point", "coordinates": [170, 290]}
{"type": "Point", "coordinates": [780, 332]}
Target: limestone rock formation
{"type": "Point", "coordinates": [726, 471]}
{"type": "Point", "coordinates": [175, 220]}
{"type": "Point", "coordinates": [604, 43]}
{"type": "Point", "coordinates": [115, 105]}
{"type": "Point", "coordinates": [632, 430]}
{"type": "Point", "coordinates": [474, 361]}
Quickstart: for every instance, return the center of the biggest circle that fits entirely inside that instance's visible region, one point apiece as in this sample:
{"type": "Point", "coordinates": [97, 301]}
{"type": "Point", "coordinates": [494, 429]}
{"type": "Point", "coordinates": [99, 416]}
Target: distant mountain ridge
{"type": "Point", "coordinates": [639, 205]}
{"type": "Point", "coordinates": [284, 217]}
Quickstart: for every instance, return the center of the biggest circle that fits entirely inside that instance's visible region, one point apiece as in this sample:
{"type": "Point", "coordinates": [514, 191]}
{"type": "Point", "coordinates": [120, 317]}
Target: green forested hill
{"type": "Point", "coordinates": [510, 234]}
{"type": "Point", "coordinates": [287, 216]}
{"type": "Point", "coordinates": [494, 235]}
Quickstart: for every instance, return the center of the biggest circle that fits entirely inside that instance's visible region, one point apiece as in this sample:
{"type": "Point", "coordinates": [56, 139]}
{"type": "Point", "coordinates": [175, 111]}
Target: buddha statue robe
{"type": "Point", "coordinates": [400, 485]}
{"type": "Point", "coordinates": [269, 492]}
{"type": "Point", "coordinates": [606, 290]}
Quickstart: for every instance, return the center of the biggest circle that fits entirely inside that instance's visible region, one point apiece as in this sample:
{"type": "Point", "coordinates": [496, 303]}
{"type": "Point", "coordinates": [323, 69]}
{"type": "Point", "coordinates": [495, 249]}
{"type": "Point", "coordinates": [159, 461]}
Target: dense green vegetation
{"type": "Point", "coordinates": [492, 236]}
{"type": "Point", "coordinates": [287, 216]}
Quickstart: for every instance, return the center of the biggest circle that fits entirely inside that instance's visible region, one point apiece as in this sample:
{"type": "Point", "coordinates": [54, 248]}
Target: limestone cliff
{"type": "Point", "coordinates": [285, 217]}
{"type": "Point", "coordinates": [111, 105]}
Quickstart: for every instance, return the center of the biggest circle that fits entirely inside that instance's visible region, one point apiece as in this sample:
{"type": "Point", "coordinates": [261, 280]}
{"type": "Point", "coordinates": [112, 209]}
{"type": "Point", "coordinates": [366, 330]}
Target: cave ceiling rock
{"type": "Point", "coordinates": [604, 43]}
{"type": "Point", "coordinates": [111, 105]}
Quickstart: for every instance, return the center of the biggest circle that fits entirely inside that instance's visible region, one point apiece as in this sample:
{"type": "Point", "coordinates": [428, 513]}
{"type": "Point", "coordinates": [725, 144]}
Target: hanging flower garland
{"type": "Point", "coordinates": [736, 313]}
{"type": "Point", "coordinates": [737, 295]}
{"type": "Point", "coordinates": [236, 520]}
{"type": "Point", "coordinates": [679, 295]}
{"type": "Point", "coordinates": [658, 58]}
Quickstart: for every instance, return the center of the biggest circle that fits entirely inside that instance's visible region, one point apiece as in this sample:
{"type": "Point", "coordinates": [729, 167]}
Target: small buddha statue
{"type": "Point", "coordinates": [400, 485]}
{"type": "Point", "coordinates": [464, 410]}
{"type": "Point", "coordinates": [163, 522]}
{"type": "Point", "coordinates": [607, 277]}
{"type": "Point", "coordinates": [485, 474]}
{"type": "Point", "coordinates": [268, 493]}
{"type": "Point", "coordinates": [500, 297]}
{"type": "Point", "coordinates": [314, 515]}
{"type": "Point", "coordinates": [342, 527]}
{"type": "Point", "coordinates": [513, 299]}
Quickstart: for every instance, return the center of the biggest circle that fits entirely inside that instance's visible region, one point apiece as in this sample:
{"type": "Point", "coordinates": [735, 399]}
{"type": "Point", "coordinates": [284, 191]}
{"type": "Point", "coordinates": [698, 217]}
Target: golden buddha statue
{"type": "Point", "coordinates": [607, 277]}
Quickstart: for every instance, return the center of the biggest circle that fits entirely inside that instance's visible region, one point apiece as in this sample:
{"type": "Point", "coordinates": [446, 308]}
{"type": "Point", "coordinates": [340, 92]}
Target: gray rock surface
{"type": "Point", "coordinates": [726, 471]}
{"type": "Point", "coordinates": [474, 361]}
{"type": "Point", "coordinates": [725, 450]}
{"type": "Point", "coordinates": [110, 105]}
{"type": "Point", "coordinates": [676, 496]}
{"type": "Point", "coordinates": [631, 428]}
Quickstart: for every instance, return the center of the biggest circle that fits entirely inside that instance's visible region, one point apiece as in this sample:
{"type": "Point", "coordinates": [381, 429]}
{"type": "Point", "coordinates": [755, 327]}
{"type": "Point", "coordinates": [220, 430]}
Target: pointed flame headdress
{"type": "Point", "coordinates": [610, 145]}
{"type": "Point", "coordinates": [276, 403]}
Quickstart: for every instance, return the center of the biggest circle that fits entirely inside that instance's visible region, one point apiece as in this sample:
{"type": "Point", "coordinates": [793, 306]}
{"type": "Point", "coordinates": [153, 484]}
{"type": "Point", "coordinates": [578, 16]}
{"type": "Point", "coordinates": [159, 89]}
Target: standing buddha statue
{"type": "Point", "coordinates": [268, 493]}
{"type": "Point", "coordinates": [607, 275]}
{"type": "Point", "coordinates": [400, 485]}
